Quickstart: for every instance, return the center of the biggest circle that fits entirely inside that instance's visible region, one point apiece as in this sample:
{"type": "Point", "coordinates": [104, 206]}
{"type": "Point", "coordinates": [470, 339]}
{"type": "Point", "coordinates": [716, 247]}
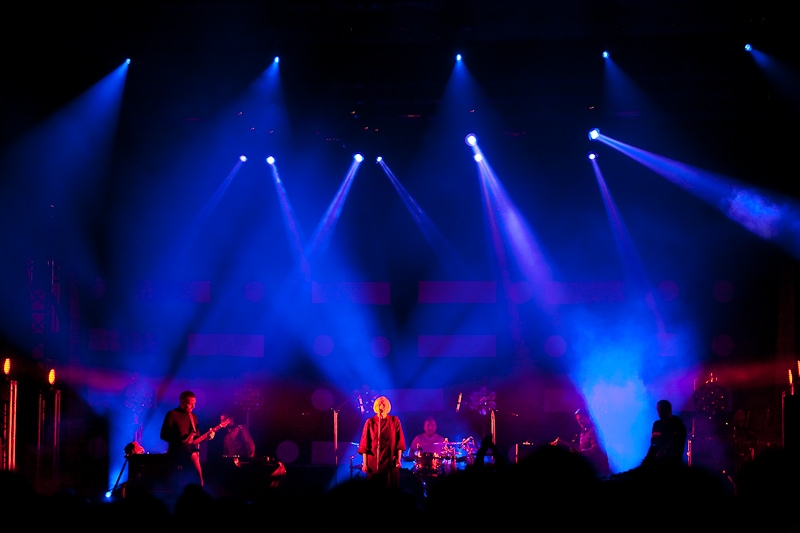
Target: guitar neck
{"type": "Point", "coordinates": [205, 435]}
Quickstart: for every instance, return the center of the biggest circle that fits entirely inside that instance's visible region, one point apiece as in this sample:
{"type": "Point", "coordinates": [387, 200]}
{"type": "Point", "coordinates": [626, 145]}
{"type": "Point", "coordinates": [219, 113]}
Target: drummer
{"type": "Point", "coordinates": [428, 442]}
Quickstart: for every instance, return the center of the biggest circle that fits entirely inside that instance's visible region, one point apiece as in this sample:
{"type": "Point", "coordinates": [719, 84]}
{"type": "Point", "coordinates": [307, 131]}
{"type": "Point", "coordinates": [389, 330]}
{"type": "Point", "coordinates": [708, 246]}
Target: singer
{"type": "Point", "coordinates": [382, 445]}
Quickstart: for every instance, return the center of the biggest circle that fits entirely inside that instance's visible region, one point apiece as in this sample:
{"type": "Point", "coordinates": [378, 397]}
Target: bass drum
{"type": "Point", "coordinates": [428, 465]}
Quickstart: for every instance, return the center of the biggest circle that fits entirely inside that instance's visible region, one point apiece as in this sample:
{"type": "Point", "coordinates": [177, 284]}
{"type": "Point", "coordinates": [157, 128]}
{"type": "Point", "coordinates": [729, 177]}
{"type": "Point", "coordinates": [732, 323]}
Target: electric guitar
{"type": "Point", "coordinates": [191, 442]}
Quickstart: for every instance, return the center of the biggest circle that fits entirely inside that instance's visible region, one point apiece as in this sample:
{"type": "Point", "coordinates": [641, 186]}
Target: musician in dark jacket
{"type": "Point", "coordinates": [179, 431]}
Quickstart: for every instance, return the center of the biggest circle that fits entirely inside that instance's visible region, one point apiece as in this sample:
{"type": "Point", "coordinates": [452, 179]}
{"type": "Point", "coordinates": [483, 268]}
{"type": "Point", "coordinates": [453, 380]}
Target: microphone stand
{"type": "Point", "coordinates": [494, 423]}
{"type": "Point", "coordinates": [335, 446]}
{"type": "Point", "coordinates": [121, 470]}
{"type": "Point", "coordinates": [378, 456]}
{"type": "Point", "coordinates": [335, 411]}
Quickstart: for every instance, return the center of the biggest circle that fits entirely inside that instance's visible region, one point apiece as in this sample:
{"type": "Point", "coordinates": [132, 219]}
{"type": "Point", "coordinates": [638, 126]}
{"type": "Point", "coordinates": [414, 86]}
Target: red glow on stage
{"type": "Point", "coordinates": [226, 345]}
{"type": "Point", "coordinates": [473, 292]}
{"type": "Point", "coordinates": [108, 340]}
{"type": "Point", "coordinates": [457, 346]}
{"type": "Point", "coordinates": [354, 292]}
{"type": "Point", "coordinates": [576, 292]}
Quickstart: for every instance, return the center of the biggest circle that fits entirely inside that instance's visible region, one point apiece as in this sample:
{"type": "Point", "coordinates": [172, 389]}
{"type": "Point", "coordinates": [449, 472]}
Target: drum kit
{"type": "Point", "coordinates": [453, 456]}
{"type": "Point", "coordinates": [428, 467]}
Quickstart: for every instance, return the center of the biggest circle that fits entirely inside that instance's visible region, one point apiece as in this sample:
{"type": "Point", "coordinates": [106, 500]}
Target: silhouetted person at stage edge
{"type": "Point", "coordinates": [668, 438]}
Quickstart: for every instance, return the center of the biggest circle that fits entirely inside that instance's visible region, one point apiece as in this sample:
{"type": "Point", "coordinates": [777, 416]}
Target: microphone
{"type": "Point", "coordinates": [458, 405]}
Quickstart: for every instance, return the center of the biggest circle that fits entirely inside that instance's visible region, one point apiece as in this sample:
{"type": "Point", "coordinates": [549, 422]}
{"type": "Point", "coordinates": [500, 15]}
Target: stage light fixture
{"type": "Point", "coordinates": [592, 156]}
{"type": "Point", "coordinates": [276, 59]}
{"type": "Point", "coordinates": [605, 54]}
{"type": "Point", "coordinates": [594, 134]}
{"type": "Point", "coordinates": [270, 160]}
{"type": "Point", "coordinates": [242, 158]}
{"type": "Point", "coordinates": [458, 57]}
{"type": "Point", "coordinates": [471, 139]}
{"type": "Point", "coordinates": [358, 157]}
{"type": "Point", "coordinates": [379, 159]}
{"type": "Point", "coordinates": [483, 401]}
{"type": "Point", "coordinates": [748, 48]}
{"type": "Point", "coordinates": [7, 366]}
{"type": "Point", "coordinates": [128, 61]}
{"type": "Point", "coordinates": [478, 158]}
{"type": "Point", "coordinates": [51, 376]}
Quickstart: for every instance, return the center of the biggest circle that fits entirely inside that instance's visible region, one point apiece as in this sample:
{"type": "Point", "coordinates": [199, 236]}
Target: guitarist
{"type": "Point", "coordinates": [180, 431]}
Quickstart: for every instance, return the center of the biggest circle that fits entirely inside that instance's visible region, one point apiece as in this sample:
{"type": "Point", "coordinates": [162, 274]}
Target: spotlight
{"type": "Point", "coordinates": [128, 61]}
{"type": "Point", "coordinates": [242, 158]}
{"type": "Point", "coordinates": [458, 57]}
{"type": "Point", "coordinates": [594, 134]}
{"type": "Point", "coordinates": [748, 48]}
{"type": "Point", "coordinates": [483, 401]}
{"type": "Point", "coordinates": [379, 159]}
{"type": "Point", "coordinates": [7, 366]}
{"type": "Point", "coordinates": [592, 156]}
{"type": "Point", "coordinates": [51, 376]}
{"type": "Point", "coordinates": [358, 157]}
{"type": "Point", "coordinates": [605, 54]}
{"type": "Point", "coordinates": [270, 160]}
{"type": "Point", "coordinates": [471, 139]}
{"type": "Point", "coordinates": [276, 59]}
{"type": "Point", "coordinates": [478, 158]}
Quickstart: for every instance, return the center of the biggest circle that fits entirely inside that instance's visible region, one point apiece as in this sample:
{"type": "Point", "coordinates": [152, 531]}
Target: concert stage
{"type": "Point", "coordinates": [494, 214]}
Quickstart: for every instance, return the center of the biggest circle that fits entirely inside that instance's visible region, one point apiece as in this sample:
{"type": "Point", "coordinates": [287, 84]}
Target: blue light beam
{"type": "Point", "coordinates": [446, 253]}
{"type": "Point", "coordinates": [508, 227]}
{"type": "Point", "coordinates": [290, 222]}
{"type": "Point", "coordinates": [205, 213]}
{"type": "Point", "coordinates": [766, 215]}
{"type": "Point", "coordinates": [781, 76]}
{"type": "Point", "coordinates": [327, 225]}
